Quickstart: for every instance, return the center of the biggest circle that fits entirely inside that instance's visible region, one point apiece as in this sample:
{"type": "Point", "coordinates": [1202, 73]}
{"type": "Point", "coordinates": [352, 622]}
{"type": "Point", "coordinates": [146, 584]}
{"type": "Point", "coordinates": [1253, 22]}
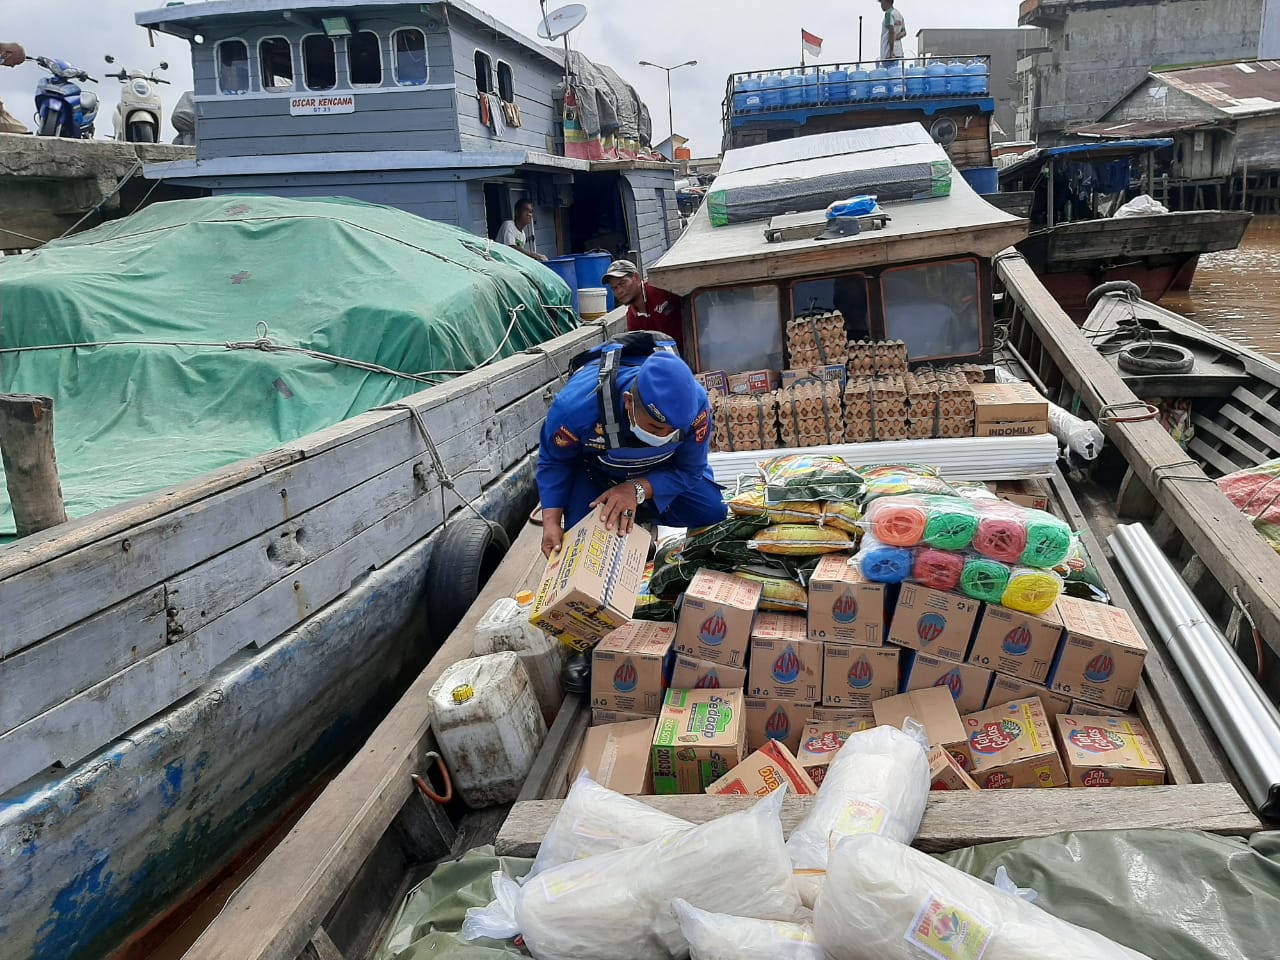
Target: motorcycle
{"type": "Point", "coordinates": [63, 109]}
{"type": "Point", "coordinates": [137, 117]}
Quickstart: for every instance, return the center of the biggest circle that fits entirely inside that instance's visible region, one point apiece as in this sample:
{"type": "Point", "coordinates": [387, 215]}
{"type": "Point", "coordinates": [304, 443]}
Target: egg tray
{"type": "Point", "coordinates": [877, 356]}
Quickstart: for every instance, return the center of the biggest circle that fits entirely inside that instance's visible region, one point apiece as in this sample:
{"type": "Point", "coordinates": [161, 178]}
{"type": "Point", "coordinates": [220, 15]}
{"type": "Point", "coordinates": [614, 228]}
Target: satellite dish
{"type": "Point", "coordinates": [944, 131]}
{"type": "Point", "coordinates": [561, 21]}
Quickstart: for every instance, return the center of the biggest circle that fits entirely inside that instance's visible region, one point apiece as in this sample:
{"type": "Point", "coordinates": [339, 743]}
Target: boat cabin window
{"type": "Point", "coordinates": [484, 73]}
{"type": "Point", "coordinates": [738, 329]}
{"type": "Point", "coordinates": [319, 62]}
{"type": "Point", "coordinates": [275, 54]}
{"type": "Point", "coordinates": [848, 294]}
{"type": "Point", "coordinates": [935, 308]}
{"type": "Point", "coordinates": [506, 83]}
{"type": "Point", "coordinates": [410, 49]}
{"type": "Point", "coordinates": [233, 67]}
{"type": "Point", "coordinates": [364, 59]}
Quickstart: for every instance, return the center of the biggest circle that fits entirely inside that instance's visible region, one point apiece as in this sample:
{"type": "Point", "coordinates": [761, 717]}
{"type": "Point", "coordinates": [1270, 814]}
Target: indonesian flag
{"type": "Point", "coordinates": [812, 43]}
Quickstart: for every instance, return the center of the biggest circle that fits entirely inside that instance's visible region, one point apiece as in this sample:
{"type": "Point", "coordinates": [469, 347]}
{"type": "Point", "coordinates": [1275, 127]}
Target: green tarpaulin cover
{"type": "Point", "coordinates": [337, 276]}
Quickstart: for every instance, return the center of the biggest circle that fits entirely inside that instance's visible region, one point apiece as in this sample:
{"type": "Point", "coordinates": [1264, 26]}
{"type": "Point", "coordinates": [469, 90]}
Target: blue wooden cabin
{"type": "Point", "coordinates": [436, 108]}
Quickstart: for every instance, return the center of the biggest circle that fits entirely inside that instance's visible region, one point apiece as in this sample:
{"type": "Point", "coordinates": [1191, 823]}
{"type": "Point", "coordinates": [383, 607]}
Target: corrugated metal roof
{"type": "Point", "coordinates": [1237, 89]}
{"type": "Point", "coordinates": [1137, 129]}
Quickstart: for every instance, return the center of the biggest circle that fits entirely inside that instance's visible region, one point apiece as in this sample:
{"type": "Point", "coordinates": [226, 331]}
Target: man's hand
{"type": "Point", "coordinates": [541, 257]}
{"type": "Point", "coordinates": [552, 530]}
{"type": "Point", "coordinates": [12, 54]}
{"type": "Point", "coordinates": [619, 507]}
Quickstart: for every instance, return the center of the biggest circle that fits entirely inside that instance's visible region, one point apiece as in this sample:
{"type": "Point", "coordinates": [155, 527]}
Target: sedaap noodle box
{"type": "Point", "coordinates": [700, 737]}
{"type": "Point", "coordinates": [590, 584]}
{"type": "Point", "coordinates": [1012, 746]}
{"type": "Point", "coordinates": [1109, 752]}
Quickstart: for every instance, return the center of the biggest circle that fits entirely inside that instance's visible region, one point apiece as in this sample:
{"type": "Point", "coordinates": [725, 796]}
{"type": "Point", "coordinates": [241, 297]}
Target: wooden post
{"type": "Point", "coordinates": [30, 467]}
{"type": "Point", "coordinates": [1049, 197]}
{"type": "Point", "coordinates": [1244, 187]}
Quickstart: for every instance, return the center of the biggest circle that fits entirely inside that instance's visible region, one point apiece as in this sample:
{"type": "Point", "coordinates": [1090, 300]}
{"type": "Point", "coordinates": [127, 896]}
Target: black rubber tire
{"type": "Point", "coordinates": [464, 557]}
{"type": "Point", "coordinates": [51, 124]}
{"type": "Point", "coordinates": [1127, 287]}
{"type": "Point", "coordinates": [1156, 358]}
{"type": "Point", "coordinates": [141, 132]}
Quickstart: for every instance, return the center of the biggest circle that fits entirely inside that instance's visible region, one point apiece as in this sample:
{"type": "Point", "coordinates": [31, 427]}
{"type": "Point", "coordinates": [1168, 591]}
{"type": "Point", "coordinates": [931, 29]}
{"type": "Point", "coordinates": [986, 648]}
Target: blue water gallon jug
{"type": "Point", "coordinates": [837, 87]}
{"type": "Point", "coordinates": [751, 100]}
{"type": "Point", "coordinates": [810, 94]}
{"type": "Point", "coordinates": [976, 74]}
{"type": "Point", "coordinates": [897, 88]}
{"type": "Point", "coordinates": [771, 94]}
{"type": "Point", "coordinates": [916, 82]}
{"type": "Point", "coordinates": [793, 90]}
{"type": "Point", "coordinates": [879, 84]}
{"type": "Point", "coordinates": [956, 80]}
{"type": "Point", "coordinates": [936, 79]}
{"type": "Point", "coordinates": [859, 84]}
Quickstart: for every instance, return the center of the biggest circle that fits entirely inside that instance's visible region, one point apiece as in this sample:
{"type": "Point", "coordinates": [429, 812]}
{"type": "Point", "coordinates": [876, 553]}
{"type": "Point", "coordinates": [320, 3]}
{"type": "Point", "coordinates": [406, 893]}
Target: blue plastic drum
{"type": "Point", "coordinates": [566, 268]}
{"type": "Point", "coordinates": [590, 272]}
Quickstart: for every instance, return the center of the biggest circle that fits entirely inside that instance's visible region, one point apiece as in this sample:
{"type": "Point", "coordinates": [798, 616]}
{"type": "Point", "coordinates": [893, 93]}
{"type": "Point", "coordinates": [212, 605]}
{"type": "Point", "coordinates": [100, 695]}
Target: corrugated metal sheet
{"type": "Point", "coordinates": [1238, 89]}
{"type": "Point", "coordinates": [1138, 129]}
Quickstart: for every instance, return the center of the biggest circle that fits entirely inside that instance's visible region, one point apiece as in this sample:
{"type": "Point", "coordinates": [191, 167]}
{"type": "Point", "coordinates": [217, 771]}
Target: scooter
{"type": "Point", "coordinates": [63, 109]}
{"type": "Point", "coordinates": [137, 118]}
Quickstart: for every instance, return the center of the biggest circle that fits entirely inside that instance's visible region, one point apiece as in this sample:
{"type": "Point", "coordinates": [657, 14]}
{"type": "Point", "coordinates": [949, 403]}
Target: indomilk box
{"type": "Point", "coordinates": [843, 607]}
{"type": "Point", "coordinates": [1012, 746]}
{"type": "Point", "coordinates": [933, 622]}
{"type": "Point", "coordinates": [1101, 656]}
{"type": "Point", "coordinates": [590, 584]}
{"type": "Point", "coordinates": [1017, 644]}
{"type": "Point", "coordinates": [716, 613]}
{"type": "Point", "coordinates": [627, 668]}
{"type": "Point", "coordinates": [1109, 752]}
{"type": "Point", "coordinates": [700, 738]}
{"type": "Point", "coordinates": [764, 772]}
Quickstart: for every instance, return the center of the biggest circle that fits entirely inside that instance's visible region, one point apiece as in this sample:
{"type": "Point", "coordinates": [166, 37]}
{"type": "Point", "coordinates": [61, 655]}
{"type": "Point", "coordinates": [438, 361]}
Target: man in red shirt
{"type": "Point", "coordinates": [648, 308]}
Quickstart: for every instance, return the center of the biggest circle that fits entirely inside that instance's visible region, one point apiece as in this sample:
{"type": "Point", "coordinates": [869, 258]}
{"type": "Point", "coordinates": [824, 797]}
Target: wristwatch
{"type": "Point", "coordinates": [641, 496]}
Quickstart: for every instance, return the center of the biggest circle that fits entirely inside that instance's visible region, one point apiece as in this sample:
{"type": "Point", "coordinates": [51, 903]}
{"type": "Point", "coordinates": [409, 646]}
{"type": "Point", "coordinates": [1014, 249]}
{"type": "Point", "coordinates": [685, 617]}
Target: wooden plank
{"type": "Point", "coordinates": [1226, 437]}
{"type": "Point", "coordinates": [955, 819]}
{"type": "Point", "coordinates": [1252, 427]}
{"type": "Point", "coordinates": [564, 739]}
{"type": "Point", "coordinates": [1212, 457]}
{"type": "Point", "coordinates": [274, 913]}
{"type": "Point", "coordinates": [30, 464]}
{"type": "Point", "coordinates": [1257, 404]}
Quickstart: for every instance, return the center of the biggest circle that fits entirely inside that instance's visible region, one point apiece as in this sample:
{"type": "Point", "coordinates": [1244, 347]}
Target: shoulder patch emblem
{"type": "Point", "coordinates": [564, 438]}
{"type": "Point", "coordinates": [701, 426]}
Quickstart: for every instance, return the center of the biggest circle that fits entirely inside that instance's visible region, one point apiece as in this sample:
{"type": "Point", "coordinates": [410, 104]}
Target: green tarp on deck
{"type": "Point", "coordinates": [160, 398]}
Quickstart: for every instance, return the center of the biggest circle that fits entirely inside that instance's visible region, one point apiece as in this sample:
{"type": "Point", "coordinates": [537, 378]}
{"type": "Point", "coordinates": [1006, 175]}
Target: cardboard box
{"type": "Point", "coordinates": [1007, 689]}
{"type": "Point", "coordinates": [700, 737]}
{"type": "Point", "coordinates": [754, 381]}
{"type": "Point", "coordinates": [1083, 708]}
{"type": "Point", "coordinates": [1012, 746]}
{"type": "Point", "coordinates": [590, 585]}
{"type": "Point", "coordinates": [968, 684]}
{"type": "Point", "coordinates": [628, 668]}
{"type": "Point", "coordinates": [945, 772]}
{"type": "Point", "coordinates": [821, 741]}
{"type": "Point", "coordinates": [715, 382]}
{"type": "Point", "coordinates": [832, 371]}
{"type": "Point", "coordinates": [826, 714]}
{"type": "Point", "coordinates": [619, 756]}
{"type": "Point", "coordinates": [1020, 428]}
{"type": "Point", "coordinates": [1008, 403]}
{"type": "Point", "coordinates": [1025, 493]}
{"type": "Point", "coordinates": [691, 674]}
{"type": "Point", "coordinates": [1016, 644]}
{"type": "Point", "coordinates": [936, 711]}
{"type": "Point", "coordinates": [1101, 657]}
{"type": "Point", "coordinates": [788, 669]}
{"type": "Point", "coordinates": [763, 772]}
{"type": "Point", "coordinates": [856, 676]}
{"type": "Point", "coordinates": [843, 607]}
{"type": "Point", "coordinates": [602, 718]}
{"type": "Point", "coordinates": [1109, 752]}
{"type": "Point", "coordinates": [939, 624]}
{"type": "Point", "coordinates": [779, 720]}
{"type": "Point", "coordinates": [716, 614]}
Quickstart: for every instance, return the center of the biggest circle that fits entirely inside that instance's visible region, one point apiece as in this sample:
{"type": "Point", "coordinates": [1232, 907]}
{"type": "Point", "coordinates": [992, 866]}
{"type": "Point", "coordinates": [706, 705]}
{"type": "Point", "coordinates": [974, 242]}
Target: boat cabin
{"type": "Point", "coordinates": [922, 276]}
{"type": "Point", "coordinates": [435, 108]}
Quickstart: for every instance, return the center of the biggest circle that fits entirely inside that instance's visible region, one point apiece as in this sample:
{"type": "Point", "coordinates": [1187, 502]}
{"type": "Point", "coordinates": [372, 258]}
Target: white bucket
{"type": "Point", "coordinates": [593, 302]}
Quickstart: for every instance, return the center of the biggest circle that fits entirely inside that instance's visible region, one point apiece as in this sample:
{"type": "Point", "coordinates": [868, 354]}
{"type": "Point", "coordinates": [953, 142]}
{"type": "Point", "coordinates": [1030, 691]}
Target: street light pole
{"type": "Point", "coordinates": [670, 112]}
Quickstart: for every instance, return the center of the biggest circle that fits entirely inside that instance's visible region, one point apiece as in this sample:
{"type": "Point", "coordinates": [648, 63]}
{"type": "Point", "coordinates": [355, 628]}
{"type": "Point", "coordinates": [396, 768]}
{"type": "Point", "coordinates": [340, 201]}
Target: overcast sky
{"type": "Point", "coordinates": [724, 36]}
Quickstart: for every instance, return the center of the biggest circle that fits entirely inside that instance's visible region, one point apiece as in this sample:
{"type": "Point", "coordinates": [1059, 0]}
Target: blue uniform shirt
{"type": "Point", "coordinates": [573, 437]}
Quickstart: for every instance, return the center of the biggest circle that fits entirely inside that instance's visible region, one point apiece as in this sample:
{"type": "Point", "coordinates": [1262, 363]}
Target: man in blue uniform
{"type": "Point", "coordinates": [642, 454]}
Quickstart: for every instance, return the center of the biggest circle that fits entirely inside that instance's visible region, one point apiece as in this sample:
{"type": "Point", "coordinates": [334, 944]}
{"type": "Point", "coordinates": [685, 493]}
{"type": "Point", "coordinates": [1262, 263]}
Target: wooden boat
{"type": "Point", "coordinates": [1077, 243]}
{"type": "Point", "coordinates": [331, 886]}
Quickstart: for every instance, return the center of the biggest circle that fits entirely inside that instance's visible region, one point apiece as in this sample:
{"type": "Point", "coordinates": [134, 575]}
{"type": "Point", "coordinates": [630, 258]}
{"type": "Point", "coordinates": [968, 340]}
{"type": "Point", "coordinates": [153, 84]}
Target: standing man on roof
{"type": "Point", "coordinates": [892, 32]}
{"type": "Point", "coordinates": [515, 233]}
{"type": "Point", "coordinates": [648, 308]}
{"type": "Point", "coordinates": [630, 430]}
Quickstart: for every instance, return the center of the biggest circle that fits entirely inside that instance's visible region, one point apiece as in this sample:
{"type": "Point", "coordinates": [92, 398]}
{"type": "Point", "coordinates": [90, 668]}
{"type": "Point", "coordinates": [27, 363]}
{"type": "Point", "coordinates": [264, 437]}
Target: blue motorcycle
{"type": "Point", "coordinates": [63, 109]}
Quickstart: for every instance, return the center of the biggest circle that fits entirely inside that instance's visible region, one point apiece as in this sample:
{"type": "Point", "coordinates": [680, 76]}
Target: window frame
{"type": "Point", "coordinates": [871, 280]}
{"type": "Point", "coordinates": [262, 73]}
{"type": "Point", "coordinates": [691, 317]}
{"type": "Point", "coordinates": [302, 49]}
{"type": "Point", "coordinates": [983, 305]}
{"type": "Point", "coordinates": [511, 78]}
{"type": "Point", "coordinates": [248, 67]}
{"type": "Point", "coordinates": [382, 71]}
{"type": "Point", "coordinates": [395, 58]}
{"type": "Point", "coordinates": [488, 76]}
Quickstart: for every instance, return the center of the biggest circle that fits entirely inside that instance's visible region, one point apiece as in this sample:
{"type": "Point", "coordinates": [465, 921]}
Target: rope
{"type": "Point", "coordinates": [96, 208]}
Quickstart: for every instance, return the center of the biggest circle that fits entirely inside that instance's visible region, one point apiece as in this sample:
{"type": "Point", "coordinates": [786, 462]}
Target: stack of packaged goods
{"type": "Point", "coordinates": [871, 357]}
{"type": "Point", "coordinates": [875, 408]}
{"type": "Point", "coordinates": [744, 422]}
{"type": "Point", "coordinates": [939, 404]}
{"type": "Point", "coordinates": [811, 413]}
{"type": "Point", "coordinates": [817, 339]}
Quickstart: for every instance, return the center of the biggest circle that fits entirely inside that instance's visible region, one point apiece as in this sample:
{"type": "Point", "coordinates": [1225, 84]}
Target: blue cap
{"type": "Point", "coordinates": [668, 391]}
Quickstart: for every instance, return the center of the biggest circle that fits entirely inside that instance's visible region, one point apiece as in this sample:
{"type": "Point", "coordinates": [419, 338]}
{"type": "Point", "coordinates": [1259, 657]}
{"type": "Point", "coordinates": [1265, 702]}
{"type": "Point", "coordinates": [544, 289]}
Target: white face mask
{"type": "Point", "coordinates": [652, 439]}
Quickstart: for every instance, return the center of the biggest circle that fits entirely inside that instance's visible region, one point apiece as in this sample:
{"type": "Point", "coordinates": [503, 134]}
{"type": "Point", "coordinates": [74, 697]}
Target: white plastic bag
{"type": "Point", "coordinates": [885, 901]}
{"type": "Point", "coordinates": [1084, 438]}
{"type": "Point", "coordinates": [877, 783]}
{"type": "Point", "coordinates": [715, 936]}
{"type": "Point", "coordinates": [618, 905]}
{"type": "Point", "coordinates": [594, 820]}
{"type": "Point", "coordinates": [1140, 206]}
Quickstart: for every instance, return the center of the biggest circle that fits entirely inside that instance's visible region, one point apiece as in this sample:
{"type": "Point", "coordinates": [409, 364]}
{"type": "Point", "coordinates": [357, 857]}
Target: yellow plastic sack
{"type": "Point", "coordinates": [751, 503]}
{"type": "Point", "coordinates": [786, 596]}
{"type": "Point", "coordinates": [800, 540]}
{"type": "Point", "coordinates": [842, 515]}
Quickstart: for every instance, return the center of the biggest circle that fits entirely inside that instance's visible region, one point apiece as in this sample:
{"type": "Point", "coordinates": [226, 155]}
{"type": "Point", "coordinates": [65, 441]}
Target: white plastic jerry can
{"type": "Point", "coordinates": [487, 722]}
{"type": "Point", "coordinates": [506, 626]}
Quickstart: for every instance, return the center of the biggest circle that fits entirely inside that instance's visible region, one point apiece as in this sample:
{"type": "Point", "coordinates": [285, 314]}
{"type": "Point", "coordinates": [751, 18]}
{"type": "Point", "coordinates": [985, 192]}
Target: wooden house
{"type": "Point", "coordinates": [435, 108]}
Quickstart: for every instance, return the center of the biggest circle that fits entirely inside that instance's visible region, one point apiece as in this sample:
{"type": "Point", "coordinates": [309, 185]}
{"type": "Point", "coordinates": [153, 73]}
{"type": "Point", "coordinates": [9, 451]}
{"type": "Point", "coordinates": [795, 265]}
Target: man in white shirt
{"type": "Point", "coordinates": [515, 233]}
{"type": "Point", "coordinates": [892, 32]}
